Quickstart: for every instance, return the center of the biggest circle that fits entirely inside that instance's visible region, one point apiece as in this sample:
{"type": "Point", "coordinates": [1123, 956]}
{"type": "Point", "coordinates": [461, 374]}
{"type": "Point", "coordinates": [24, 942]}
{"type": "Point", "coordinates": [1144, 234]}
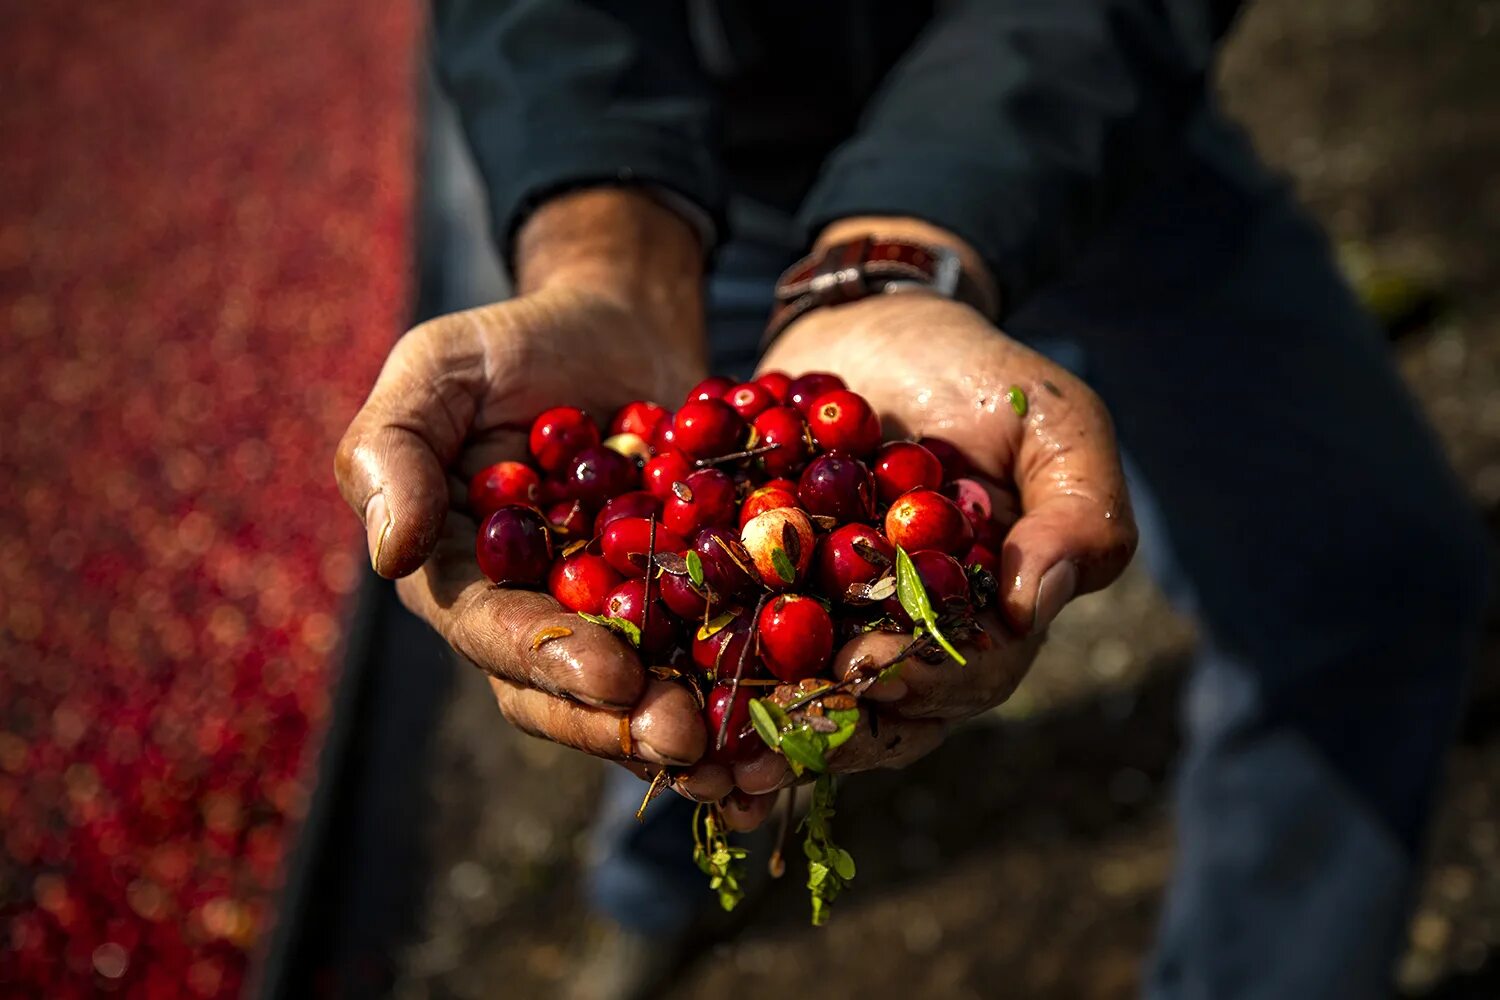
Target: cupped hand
{"type": "Point", "coordinates": [457, 394]}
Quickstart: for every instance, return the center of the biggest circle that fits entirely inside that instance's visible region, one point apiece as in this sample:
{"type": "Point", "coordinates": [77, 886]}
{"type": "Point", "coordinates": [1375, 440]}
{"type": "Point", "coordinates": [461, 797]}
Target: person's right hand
{"type": "Point", "coordinates": [459, 393]}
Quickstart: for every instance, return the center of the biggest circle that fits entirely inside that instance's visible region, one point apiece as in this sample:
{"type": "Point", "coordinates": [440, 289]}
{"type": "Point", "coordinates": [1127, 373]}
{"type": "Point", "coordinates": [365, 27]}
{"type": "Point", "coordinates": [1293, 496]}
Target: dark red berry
{"type": "Point", "coordinates": [750, 399]}
{"type": "Point", "coordinates": [944, 580]}
{"type": "Point", "coordinates": [955, 462]}
{"type": "Point", "coordinates": [804, 390]}
{"type": "Point", "coordinates": [777, 384]}
{"type": "Point", "coordinates": [569, 518]}
{"type": "Point", "coordinates": [668, 467]}
{"type": "Point", "coordinates": [925, 519]}
{"type": "Point", "coordinates": [626, 540]}
{"type": "Point", "coordinates": [708, 428]}
{"type": "Point", "coordinates": [685, 600]}
{"type": "Point", "coordinates": [843, 559]}
{"type": "Point", "coordinates": [984, 557]}
{"type": "Point", "coordinates": [727, 567]}
{"type": "Point", "coordinates": [839, 486]}
{"type": "Point", "coordinates": [905, 465]}
{"type": "Point", "coordinates": [639, 418]}
{"type": "Point", "coordinates": [796, 637]}
{"type": "Point", "coordinates": [559, 434]}
{"type": "Point", "coordinates": [740, 740]}
{"type": "Point", "coordinates": [636, 503]}
{"type": "Point", "coordinates": [514, 547]}
{"type": "Point", "coordinates": [581, 582]}
{"type": "Point", "coordinates": [713, 387]}
{"type": "Point", "coordinates": [784, 427]}
{"type": "Point", "coordinates": [844, 421]}
{"type": "Point", "coordinates": [717, 648]}
{"type": "Point", "coordinates": [764, 498]}
{"type": "Point", "coordinates": [502, 484]}
{"type": "Point", "coordinates": [598, 473]}
{"type": "Point", "coordinates": [704, 498]}
{"type": "Point", "coordinates": [628, 601]}
{"type": "Point", "coordinates": [972, 498]}
{"type": "Point", "coordinates": [662, 438]}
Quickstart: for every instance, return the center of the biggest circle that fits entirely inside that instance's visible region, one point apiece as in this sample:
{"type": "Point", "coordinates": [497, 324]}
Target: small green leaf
{"type": "Point", "coordinates": [694, 567]}
{"type": "Point", "coordinates": [847, 720]}
{"type": "Point", "coordinates": [764, 725]}
{"type": "Point", "coordinates": [629, 629]}
{"type": "Point", "coordinates": [805, 747]}
{"type": "Point", "coordinates": [843, 863]}
{"type": "Point", "coordinates": [916, 603]}
{"type": "Point", "coordinates": [1016, 397]}
{"type": "Point", "coordinates": [782, 563]}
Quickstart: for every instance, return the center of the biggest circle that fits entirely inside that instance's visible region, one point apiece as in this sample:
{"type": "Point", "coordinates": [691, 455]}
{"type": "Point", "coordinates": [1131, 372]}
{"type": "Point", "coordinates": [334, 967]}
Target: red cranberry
{"type": "Point", "coordinates": [706, 497]}
{"type": "Point", "coordinates": [581, 582]}
{"type": "Point", "coordinates": [786, 530]}
{"type": "Point", "coordinates": [972, 498]}
{"type": "Point", "coordinates": [514, 547]}
{"type": "Point", "coordinates": [740, 740]}
{"type": "Point", "coordinates": [708, 428]}
{"type": "Point", "coordinates": [626, 540]}
{"type": "Point", "coordinates": [984, 557]}
{"type": "Point", "coordinates": [559, 434]}
{"type": "Point", "coordinates": [750, 399]}
{"type": "Point", "coordinates": [841, 562]}
{"type": "Point", "coordinates": [784, 427]}
{"type": "Point", "coordinates": [942, 577]}
{"type": "Point", "coordinates": [777, 384]}
{"type": "Point", "coordinates": [679, 594]}
{"type": "Point", "coordinates": [663, 437]}
{"type": "Point", "coordinates": [905, 465]}
{"type": "Point", "coordinates": [925, 519]}
{"type": "Point", "coordinates": [804, 390]}
{"type": "Point", "coordinates": [796, 637]}
{"type": "Point", "coordinates": [636, 503]}
{"type": "Point", "coordinates": [628, 601]}
{"type": "Point", "coordinates": [764, 498]}
{"type": "Point", "coordinates": [713, 387]}
{"type": "Point", "coordinates": [839, 486]}
{"type": "Point", "coordinates": [502, 484]}
{"type": "Point", "coordinates": [990, 534]}
{"type": "Point", "coordinates": [639, 418]}
{"type": "Point", "coordinates": [955, 463]}
{"type": "Point", "coordinates": [721, 650]}
{"type": "Point", "coordinates": [668, 467]}
{"type": "Point", "coordinates": [844, 421]}
{"type": "Point", "coordinates": [726, 564]}
{"type": "Point", "coordinates": [781, 483]}
{"type": "Point", "coordinates": [569, 518]}
{"type": "Point", "coordinates": [595, 474]}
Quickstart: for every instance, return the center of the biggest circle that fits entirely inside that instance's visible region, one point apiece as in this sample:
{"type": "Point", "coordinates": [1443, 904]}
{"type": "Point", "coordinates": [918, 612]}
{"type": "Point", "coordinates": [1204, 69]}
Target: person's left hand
{"type": "Point", "coordinates": [934, 367]}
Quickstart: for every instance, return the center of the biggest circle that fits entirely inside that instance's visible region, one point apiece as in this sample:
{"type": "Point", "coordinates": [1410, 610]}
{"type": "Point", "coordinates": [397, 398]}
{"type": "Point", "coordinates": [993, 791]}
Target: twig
{"type": "Point", "coordinates": [650, 564]}
{"type": "Point", "coordinates": [735, 456]}
{"type": "Point", "coordinates": [739, 671]}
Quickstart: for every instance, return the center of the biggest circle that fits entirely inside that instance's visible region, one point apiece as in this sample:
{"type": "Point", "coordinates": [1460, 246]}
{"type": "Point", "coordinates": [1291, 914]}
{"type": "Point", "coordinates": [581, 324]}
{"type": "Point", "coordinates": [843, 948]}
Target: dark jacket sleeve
{"type": "Point", "coordinates": [558, 93]}
{"type": "Point", "coordinates": [1020, 124]}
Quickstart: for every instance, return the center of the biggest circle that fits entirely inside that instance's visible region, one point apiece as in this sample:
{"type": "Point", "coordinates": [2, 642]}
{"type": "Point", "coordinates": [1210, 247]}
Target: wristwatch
{"type": "Point", "coordinates": [857, 269]}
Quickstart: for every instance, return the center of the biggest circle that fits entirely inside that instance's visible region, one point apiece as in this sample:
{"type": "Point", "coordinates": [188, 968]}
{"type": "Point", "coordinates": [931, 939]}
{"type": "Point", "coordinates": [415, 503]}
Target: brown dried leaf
{"type": "Point", "coordinates": [682, 492]}
{"type": "Point", "coordinates": [838, 701]}
{"type": "Point", "coordinates": [672, 563]}
{"type": "Point", "coordinates": [824, 522]}
{"type": "Point", "coordinates": [573, 547]}
{"type": "Point", "coordinates": [883, 588]}
{"type": "Point", "coordinates": [870, 553]}
{"type": "Point", "coordinates": [737, 554]}
{"type": "Point", "coordinates": [791, 542]}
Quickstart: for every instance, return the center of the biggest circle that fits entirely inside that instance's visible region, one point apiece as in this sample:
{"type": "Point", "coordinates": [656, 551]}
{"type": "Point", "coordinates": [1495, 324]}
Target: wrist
{"type": "Point", "coordinates": [918, 231]}
{"type": "Point", "coordinates": [624, 246]}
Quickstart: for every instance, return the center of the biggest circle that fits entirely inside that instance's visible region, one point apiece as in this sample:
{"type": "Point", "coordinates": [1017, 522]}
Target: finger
{"type": "Point", "coordinates": [765, 772]}
{"type": "Point", "coordinates": [743, 813]}
{"type": "Point", "coordinates": [664, 728]}
{"type": "Point", "coordinates": [702, 782]}
{"type": "Point", "coordinates": [519, 635]}
{"type": "Point", "coordinates": [943, 690]}
{"type": "Point", "coordinates": [1076, 533]}
{"type": "Point", "coordinates": [896, 743]}
{"type": "Point", "coordinates": [390, 464]}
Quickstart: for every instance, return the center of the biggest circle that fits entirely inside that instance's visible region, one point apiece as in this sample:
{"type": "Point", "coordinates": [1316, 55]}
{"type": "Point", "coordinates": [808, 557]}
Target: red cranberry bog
{"type": "Point", "coordinates": [204, 215]}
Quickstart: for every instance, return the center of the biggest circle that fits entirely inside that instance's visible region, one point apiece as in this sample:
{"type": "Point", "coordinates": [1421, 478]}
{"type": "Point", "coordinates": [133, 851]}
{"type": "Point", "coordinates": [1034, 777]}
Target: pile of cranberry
{"type": "Point", "coordinates": [740, 540]}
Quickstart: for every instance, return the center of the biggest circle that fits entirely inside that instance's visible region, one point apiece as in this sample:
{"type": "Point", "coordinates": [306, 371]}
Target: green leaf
{"type": "Point", "coordinates": [803, 746]}
{"type": "Point", "coordinates": [843, 863]}
{"type": "Point", "coordinates": [848, 721]}
{"type": "Point", "coordinates": [629, 629]}
{"type": "Point", "coordinates": [1016, 397]}
{"type": "Point", "coordinates": [782, 563]}
{"type": "Point", "coordinates": [764, 725]}
{"type": "Point", "coordinates": [916, 603]}
{"type": "Point", "coordinates": [694, 567]}
{"type": "Point", "coordinates": [829, 867]}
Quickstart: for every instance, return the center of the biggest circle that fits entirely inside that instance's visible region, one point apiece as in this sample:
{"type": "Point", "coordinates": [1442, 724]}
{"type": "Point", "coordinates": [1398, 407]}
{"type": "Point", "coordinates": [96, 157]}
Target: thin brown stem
{"type": "Point", "coordinates": [739, 671]}
{"type": "Point", "coordinates": [735, 456]}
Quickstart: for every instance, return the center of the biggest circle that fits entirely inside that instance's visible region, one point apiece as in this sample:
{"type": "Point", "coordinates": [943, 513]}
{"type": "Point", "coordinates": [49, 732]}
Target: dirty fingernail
{"type": "Point", "coordinates": [1056, 589]}
{"type": "Point", "coordinates": [377, 527]}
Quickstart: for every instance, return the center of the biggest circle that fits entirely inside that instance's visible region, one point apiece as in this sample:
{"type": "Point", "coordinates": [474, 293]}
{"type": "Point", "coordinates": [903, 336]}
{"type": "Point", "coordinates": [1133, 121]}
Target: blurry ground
{"type": "Point", "coordinates": [1044, 875]}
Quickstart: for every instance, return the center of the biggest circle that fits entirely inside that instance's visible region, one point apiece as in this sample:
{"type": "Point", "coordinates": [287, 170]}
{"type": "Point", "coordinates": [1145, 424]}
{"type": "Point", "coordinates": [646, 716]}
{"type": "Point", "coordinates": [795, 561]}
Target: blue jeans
{"type": "Point", "coordinates": [1292, 499]}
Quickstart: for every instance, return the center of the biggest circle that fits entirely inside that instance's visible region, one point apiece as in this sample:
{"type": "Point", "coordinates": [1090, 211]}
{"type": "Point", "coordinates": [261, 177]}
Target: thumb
{"type": "Point", "coordinates": [390, 464]}
{"type": "Point", "coordinates": [1076, 533]}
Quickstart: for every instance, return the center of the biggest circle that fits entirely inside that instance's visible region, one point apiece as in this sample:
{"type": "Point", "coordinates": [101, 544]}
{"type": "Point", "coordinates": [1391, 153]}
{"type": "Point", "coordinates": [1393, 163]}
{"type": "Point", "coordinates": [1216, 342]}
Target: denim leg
{"type": "Point", "coordinates": [1291, 498]}
{"type": "Point", "coordinates": [641, 874]}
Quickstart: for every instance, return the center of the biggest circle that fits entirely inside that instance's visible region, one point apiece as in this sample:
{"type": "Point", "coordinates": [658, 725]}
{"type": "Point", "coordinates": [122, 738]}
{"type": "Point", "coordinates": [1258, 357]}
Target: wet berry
{"type": "Point", "coordinates": [784, 427]}
{"type": "Point", "coordinates": [502, 484]}
{"type": "Point", "coordinates": [569, 518]}
{"type": "Point", "coordinates": [905, 465]}
{"type": "Point", "coordinates": [705, 498]}
{"type": "Point", "coordinates": [636, 503]}
{"type": "Point", "coordinates": [925, 519]}
{"type": "Point", "coordinates": [639, 418]}
{"type": "Point", "coordinates": [559, 434]}
{"type": "Point", "coordinates": [708, 428]}
{"type": "Point", "coordinates": [597, 473]}
{"type": "Point", "coordinates": [955, 463]}
{"type": "Point", "coordinates": [844, 421]}
{"type": "Point", "coordinates": [796, 637]}
{"type": "Point", "coordinates": [679, 594]}
{"type": "Point", "coordinates": [803, 391]}
{"type": "Point", "coordinates": [750, 399]}
{"type": "Point", "coordinates": [727, 567]}
{"type": "Point", "coordinates": [713, 387]}
{"type": "Point", "coordinates": [740, 740]}
{"type": "Point", "coordinates": [514, 547]}
{"type": "Point", "coordinates": [784, 530]}
{"type": "Point", "coordinates": [945, 581]}
{"type": "Point", "coordinates": [668, 467]}
{"type": "Point", "coordinates": [658, 630]}
{"type": "Point", "coordinates": [764, 498]}
{"type": "Point", "coordinates": [626, 540]}
{"type": "Point", "coordinates": [722, 648]}
{"type": "Point", "coordinates": [839, 486]}
{"type": "Point", "coordinates": [851, 554]}
{"type": "Point", "coordinates": [776, 383]}
{"type": "Point", "coordinates": [581, 582]}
